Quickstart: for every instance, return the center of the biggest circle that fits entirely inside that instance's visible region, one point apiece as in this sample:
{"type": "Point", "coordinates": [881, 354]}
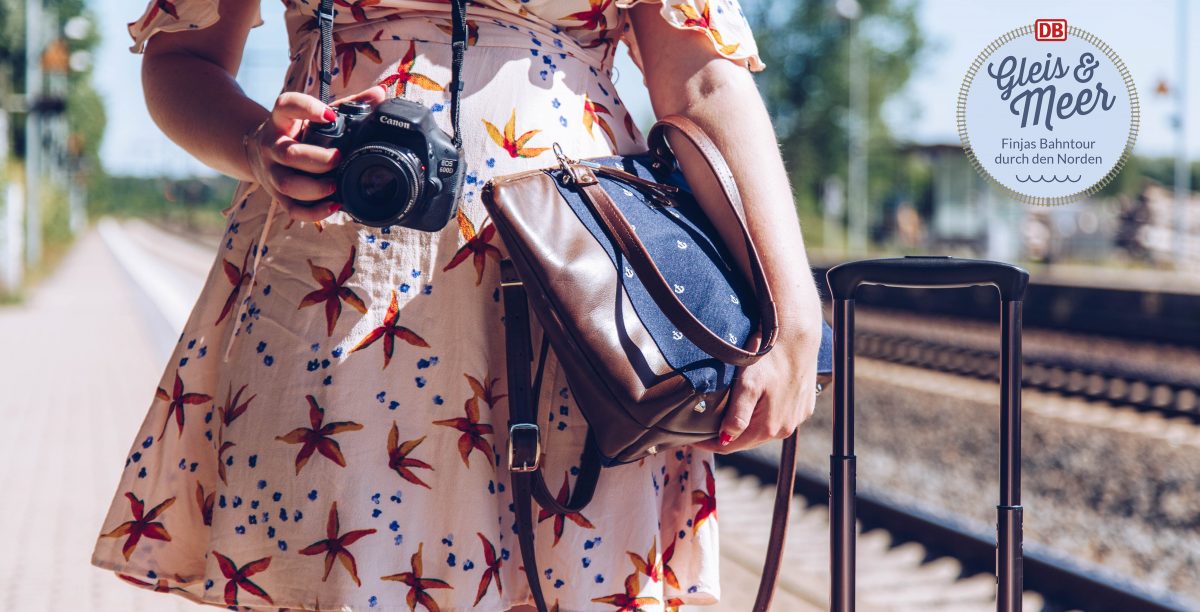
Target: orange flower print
{"type": "Point", "coordinates": [398, 456]}
{"type": "Point", "coordinates": [418, 584]}
{"type": "Point", "coordinates": [320, 225]}
{"type": "Point", "coordinates": [484, 391]}
{"type": "Point", "coordinates": [477, 246]}
{"type": "Point", "coordinates": [564, 494]}
{"type": "Point", "coordinates": [472, 31]}
{"type": "Point", "coordinates": [232, 408]}
{"type": "Point", "coordinates": [490, 571]}
{"type": "Point", "coordinates": [238, 277]}
{"type": "Point", "coordinates": [333, 292]}
{"type": "Point", "coordinates": [316, 438]}
{"type": "Point", "coordinates": [142, 525]}
{"type": "Point", "coordinates": [389, 331]}
{"type": "Point", "coordinates": [357, 7]}
{"type": "Point", "coordinates": [348, 52]}
{"type": "Point", "coordinates": [165, 6]}
{"type": "Point", "coordinates": [591, 116]}
{"type": "Point", "coordinates": [593, 18]}
{"type": "Point", "coordinates": [334, 545]}
{"type": "Point", "coordinates": [629, 600]}
{"type": "Point", "coordinates": [177, 400]}
{"type": "Point", "coordinates": [404, 75]}
{"type": "Point", "coordinates": [239, 578]}
{"type": "Point", "coordinates": [668, 574]}
{"type": "Point", "coordinates": [509, 140]}
{"type": "Point", "coordinates": [472, 432]}
{"type": "Point", "coordinates": [650, 565]}
{"type": "Point", "coordinates": [706, 499]}
{"type": "Point", "coordinates": [205, 503]}
{"type": "Point", "coordinates": [702, 21]}
{"type": "Point", "coordinates": [221, 457]}
{"type": "Point", "coordinates": [629, 127]}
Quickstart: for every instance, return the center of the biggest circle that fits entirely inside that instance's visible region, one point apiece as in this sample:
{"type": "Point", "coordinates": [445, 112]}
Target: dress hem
{"type": "Point", "coordinates": [699, 598]}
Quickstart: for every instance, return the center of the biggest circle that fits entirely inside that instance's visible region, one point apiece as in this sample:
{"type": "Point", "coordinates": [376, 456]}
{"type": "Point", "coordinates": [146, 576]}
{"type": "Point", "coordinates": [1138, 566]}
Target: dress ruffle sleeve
{"type": "Point", "coordinates": [721, 20]}
{"type": "Point", "coordinates": [173, 16]}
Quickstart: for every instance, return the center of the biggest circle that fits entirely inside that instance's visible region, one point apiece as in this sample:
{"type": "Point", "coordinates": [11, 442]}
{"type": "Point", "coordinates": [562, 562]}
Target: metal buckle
{"type": "Point", "coordinates": [526, 464]}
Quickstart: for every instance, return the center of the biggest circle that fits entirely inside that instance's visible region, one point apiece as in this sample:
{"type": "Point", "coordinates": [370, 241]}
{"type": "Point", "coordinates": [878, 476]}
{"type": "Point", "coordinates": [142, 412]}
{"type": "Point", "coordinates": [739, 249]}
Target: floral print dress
{"type": "Point", "coordinates": [327, 434]}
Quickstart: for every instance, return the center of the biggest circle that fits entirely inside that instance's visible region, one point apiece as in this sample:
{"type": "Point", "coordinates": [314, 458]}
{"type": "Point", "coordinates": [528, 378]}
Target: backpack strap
{"type": "Point", "coordinates": [524, 452]}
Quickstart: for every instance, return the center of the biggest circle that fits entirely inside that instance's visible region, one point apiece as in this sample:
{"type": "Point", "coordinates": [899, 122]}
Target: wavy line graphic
{"type": "Point", "coordinates": [1052, 179]}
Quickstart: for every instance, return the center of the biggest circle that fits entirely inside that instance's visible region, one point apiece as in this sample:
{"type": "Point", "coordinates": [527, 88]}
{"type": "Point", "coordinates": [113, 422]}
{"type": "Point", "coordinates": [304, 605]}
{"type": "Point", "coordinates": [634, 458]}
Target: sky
{"type": "Point", "coordinates": [1142, 32]}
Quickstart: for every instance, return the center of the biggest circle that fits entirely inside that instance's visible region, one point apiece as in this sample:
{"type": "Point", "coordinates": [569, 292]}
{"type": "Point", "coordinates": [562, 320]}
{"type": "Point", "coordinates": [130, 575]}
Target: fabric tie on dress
{"type": "Point", "coordinates": [245, 300]}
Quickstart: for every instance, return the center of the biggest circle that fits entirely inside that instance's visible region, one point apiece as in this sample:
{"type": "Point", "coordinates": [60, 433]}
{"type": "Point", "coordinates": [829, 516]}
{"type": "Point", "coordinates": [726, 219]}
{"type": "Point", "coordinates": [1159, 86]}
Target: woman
{"type": "Point", "coordinates": [324, 436]}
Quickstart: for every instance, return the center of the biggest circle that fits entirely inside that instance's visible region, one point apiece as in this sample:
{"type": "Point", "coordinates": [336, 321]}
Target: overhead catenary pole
{"type": "Point", "coordinates": [1183, 182]}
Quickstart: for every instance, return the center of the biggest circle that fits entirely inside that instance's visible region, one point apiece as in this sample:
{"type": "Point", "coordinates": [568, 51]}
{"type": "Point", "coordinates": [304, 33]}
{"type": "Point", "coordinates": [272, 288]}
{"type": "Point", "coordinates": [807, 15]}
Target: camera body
{"type": "Point", "coordinates": [398, 167]}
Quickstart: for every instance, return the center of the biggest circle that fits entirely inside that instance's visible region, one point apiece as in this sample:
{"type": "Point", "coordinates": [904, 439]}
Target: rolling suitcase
{"type": "Point", "coordinates": [925, 273]}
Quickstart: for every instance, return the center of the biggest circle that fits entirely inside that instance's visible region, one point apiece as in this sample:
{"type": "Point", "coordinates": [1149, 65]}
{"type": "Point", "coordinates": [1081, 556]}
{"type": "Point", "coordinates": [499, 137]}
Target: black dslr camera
{"type": "Point", "coordinates": [398, 167]}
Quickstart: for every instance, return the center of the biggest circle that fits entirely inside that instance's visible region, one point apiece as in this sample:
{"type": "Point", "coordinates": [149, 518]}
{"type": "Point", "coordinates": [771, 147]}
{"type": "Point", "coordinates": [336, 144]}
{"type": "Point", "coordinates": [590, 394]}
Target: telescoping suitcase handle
{"type": "Point", "coordinates": [925, 273]}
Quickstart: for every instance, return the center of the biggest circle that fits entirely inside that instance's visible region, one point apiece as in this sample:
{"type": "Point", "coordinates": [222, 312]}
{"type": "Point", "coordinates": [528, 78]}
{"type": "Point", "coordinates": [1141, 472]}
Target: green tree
{"type": "Point", "coordinates": [805, 44]}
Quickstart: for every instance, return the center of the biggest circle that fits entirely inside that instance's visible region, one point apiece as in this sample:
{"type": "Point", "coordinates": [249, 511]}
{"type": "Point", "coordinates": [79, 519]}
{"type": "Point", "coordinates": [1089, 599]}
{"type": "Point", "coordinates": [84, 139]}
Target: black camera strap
{"type": "Point", "coordinates": [458, 48]}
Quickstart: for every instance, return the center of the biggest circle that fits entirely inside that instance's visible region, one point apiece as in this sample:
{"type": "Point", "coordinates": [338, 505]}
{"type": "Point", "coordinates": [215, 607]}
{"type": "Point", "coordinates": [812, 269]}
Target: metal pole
{"type": "Point", "coordinates": [33, 135]}
{"type": "Point", "coordinates": [841, 462]}
{"type": "Point", "coordinates": [1183, 176]}
{"type": "Point", "coordinates": [1009, 578]}
{"type": "Point", "coordinates": [856, 188]}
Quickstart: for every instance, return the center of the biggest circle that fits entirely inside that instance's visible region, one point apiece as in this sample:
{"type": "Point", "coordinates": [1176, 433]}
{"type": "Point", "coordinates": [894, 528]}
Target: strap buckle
{"type": "Point", "coordinates": [524, 447]}
{"type": "Point", "coordinates": [324, 16]}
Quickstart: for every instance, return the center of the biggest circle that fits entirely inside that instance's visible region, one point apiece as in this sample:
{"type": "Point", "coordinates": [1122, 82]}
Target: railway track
{"type": "Point", "coordinates": [1141, 388]}
{"type": "Point", "coordinates": [909, 560]}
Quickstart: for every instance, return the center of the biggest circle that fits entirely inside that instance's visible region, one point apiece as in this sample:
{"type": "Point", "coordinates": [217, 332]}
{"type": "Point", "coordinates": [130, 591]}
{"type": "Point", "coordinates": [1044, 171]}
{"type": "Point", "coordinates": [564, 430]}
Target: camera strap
{"type": "Point", "coordinates": [458, 48]}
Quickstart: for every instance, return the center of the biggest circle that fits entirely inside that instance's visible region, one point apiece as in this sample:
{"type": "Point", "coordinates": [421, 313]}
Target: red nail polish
{"type": "Point", "coordinates": [330, 115]}
{"type": "Point", "coordinates": [725, 439]}
{"type": "Point", "coordinates": [334, 207]}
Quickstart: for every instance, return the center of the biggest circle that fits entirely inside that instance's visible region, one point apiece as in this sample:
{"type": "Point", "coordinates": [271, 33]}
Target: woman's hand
{"type": "Point", "coordinates": [282, 165]}
{"type": "Point", "coordinates": [686, 76]}
{"type": "Point", "coordinates": [774, 395]}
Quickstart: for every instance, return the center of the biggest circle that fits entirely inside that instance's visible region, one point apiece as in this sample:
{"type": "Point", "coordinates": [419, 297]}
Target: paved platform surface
{"type": "Point", "coordinates": [78, 370]}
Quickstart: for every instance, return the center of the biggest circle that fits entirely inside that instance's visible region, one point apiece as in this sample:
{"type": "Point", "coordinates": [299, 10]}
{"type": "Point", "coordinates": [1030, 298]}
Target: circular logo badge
{"type": "Point", "coordinates": [1048, 113]}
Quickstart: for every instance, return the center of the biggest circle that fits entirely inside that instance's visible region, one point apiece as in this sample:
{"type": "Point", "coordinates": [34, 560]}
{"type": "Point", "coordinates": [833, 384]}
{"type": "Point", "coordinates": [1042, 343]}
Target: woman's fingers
{"type": "Point", "coordinates": [299, 186]}
{"type": "Point", "coordinates": [739, 412]}
{"type": "Point", "coordinates": [293, 107]}
{"type": "Point", "coordinates": [309, 212]}
{"type": "Point", "coordinates": [373, 96]}
{"type": "Point", "coordinates": [305, 157]}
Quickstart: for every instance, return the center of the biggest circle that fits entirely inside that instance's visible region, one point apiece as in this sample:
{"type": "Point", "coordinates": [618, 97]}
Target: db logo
{"type": "Point", "coordinates": [1050, 30]}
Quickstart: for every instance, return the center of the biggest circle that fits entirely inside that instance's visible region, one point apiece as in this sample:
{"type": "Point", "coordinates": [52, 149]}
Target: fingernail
{"type": "Point", "coordinates": [334, 207]}
{"type": "Point", "coordinates": [726, 439]}
{"type": "Point", "coordinates": [330, 115]}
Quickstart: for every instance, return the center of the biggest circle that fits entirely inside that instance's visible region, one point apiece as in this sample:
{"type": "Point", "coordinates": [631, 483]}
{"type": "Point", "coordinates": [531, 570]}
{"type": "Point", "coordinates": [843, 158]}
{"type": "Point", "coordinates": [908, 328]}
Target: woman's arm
{"type": "Point", "coordinates": [685, 76]}
{"type": "Point", "coordinates": [188, 78]}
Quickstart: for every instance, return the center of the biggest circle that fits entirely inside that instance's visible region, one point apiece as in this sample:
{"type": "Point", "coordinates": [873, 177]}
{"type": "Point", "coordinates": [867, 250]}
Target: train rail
{"type": "Point", "coordinates": [909, 559]}
{"type": "Point", "coordinates": [1148, 391]}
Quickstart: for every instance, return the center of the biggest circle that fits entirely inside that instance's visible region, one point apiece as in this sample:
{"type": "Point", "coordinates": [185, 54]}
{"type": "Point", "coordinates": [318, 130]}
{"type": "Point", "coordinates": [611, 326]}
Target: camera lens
{"type": "Point", "coordinates": [380, 183]}
{"type": "Point", "coordinates": [379, 186]}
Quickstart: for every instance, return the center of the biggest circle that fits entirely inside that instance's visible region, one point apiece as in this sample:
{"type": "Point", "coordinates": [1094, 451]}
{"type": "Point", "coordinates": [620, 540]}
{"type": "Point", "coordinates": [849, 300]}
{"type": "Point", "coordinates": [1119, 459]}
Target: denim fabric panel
{"type": "Point", "coordinates": [698, 267]}
{"type": "Point", "coordinates": [825, 356]}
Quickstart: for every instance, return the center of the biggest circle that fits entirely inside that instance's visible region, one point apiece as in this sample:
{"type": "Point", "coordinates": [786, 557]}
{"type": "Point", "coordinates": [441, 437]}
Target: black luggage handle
{"type": "Point", "coordinates": [932, 273]}
{"type": "Point", "coordinates": [927, 272]}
